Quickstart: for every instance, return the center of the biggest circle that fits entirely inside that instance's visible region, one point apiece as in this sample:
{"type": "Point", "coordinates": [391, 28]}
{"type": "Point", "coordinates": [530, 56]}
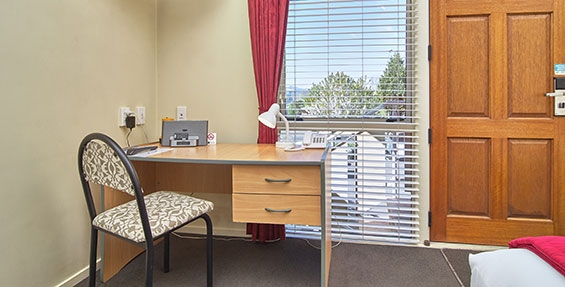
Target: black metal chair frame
{"type": "Point", "coordinates": [148, 245]}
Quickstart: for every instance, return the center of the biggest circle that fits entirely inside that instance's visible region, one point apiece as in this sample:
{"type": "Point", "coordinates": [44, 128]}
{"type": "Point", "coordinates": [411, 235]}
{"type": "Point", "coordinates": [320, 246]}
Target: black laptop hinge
{"type": "Point", "coordinates": [429, 135]}
{"type": "Point", "coordinates": [429, 52]}
{"type": "Point", "coordinates": [429, 219]}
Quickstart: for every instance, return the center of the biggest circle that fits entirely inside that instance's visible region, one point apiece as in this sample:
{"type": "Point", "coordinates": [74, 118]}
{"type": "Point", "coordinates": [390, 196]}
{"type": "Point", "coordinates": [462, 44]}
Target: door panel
{"type": "Point", "coordinates": [467, 52]}
{"type": "Point", "coordinates": [529, 178]}
{"type": "Point", "coordinates": [529, 49]}
{"type": "Point", "coordinates": [468, 168]}
{"type": "Point", "coordinates": [497, 151]}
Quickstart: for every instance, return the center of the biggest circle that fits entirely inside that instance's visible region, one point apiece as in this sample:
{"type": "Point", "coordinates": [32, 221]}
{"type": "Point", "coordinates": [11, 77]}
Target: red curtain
{"type": "Point", "coordinates": [267, 23]}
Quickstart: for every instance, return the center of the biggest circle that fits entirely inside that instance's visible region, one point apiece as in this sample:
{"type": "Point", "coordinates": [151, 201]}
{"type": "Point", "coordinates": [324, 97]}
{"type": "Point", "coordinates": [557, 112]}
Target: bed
{"type": "Point", "coordinates": [529, 261]}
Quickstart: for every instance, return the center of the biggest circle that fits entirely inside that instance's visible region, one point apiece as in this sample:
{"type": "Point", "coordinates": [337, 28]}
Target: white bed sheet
{"type": "Point", "coordinates": [516, 267]}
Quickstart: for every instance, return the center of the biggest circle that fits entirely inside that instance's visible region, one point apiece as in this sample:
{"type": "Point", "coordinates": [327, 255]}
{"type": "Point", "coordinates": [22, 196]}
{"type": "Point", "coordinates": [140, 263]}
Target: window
{"type": "Point", "coordinates": [349, 70]}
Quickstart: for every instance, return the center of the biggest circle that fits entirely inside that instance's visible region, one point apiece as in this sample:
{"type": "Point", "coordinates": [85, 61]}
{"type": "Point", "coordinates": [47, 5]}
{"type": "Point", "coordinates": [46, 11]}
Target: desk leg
{"type": "Point", "coordinates": [326, 240]}
{"type": "Point", "coordinates": [326, 261]}
{"type": "Point", "coordinates": [326, 252]}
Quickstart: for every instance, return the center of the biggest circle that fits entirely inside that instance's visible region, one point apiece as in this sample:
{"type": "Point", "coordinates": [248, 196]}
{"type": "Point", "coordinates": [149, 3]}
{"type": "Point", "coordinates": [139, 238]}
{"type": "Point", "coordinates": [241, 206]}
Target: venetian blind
{"type": "Point", "coordinates": [350, 72]}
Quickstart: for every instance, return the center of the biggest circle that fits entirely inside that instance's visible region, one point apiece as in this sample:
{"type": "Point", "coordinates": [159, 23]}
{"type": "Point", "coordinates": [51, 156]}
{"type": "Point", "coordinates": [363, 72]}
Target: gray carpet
{"type": "Point", "coordinates": [293, 262]}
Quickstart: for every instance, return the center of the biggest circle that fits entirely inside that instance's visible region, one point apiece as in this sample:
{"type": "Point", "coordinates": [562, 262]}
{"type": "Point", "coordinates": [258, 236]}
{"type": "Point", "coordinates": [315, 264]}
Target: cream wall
{"type": "Point", "coordinates": [65, 69]}
{"type": "Point", "coordinates": [204, 63]}
{"type": "Point", "coordinates": [423, 103]}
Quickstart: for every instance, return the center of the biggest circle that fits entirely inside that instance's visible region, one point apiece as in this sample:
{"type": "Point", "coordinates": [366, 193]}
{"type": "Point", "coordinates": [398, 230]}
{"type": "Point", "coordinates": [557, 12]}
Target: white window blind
{"type": "Point", "coordinates": [350, 71]}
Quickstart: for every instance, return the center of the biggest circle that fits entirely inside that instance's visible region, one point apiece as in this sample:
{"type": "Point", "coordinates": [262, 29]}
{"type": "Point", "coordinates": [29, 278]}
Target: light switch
{"type": "Point", "coordinates": [181, 113]}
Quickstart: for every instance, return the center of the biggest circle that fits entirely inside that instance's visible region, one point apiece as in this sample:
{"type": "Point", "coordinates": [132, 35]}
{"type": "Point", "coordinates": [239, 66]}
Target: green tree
{"type": "Point", "coordinates": [392, 83]}
{"type": "Point", "coordinates": [339, 95]}
{"type": "Point", "coordinates": [295, 108]}
{"type": "Point", "coordinates": [392, 86]}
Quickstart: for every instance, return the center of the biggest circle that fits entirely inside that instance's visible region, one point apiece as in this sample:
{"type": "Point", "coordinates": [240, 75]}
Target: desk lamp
{"type": "Point", "coordinates": [269, 118]}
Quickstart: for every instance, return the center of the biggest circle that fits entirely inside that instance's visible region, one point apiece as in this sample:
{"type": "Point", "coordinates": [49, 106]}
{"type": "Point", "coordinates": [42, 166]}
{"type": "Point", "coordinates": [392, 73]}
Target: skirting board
{"type": "Point", "coordinates": [79, 276]}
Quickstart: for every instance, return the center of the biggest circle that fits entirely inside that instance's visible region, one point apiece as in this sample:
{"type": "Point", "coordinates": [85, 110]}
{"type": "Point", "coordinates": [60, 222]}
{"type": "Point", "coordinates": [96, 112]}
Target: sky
{"type": "Point", "coordinates": [354, 36]}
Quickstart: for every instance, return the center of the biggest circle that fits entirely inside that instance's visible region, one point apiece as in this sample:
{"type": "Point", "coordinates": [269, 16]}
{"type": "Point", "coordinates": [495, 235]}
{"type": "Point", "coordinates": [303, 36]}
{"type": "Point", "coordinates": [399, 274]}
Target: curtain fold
{"type": "Point", "coordinates": [267, 25]}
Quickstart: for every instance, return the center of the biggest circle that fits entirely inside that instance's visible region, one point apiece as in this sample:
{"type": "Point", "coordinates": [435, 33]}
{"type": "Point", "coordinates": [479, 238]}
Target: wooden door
{"type": "Point", "coordinates": [497, 151]}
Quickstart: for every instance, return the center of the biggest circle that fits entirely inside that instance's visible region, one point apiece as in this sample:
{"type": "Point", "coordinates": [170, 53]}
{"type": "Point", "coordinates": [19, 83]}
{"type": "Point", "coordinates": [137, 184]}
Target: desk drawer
{"type": "Point", "coordinates": [292, 209]}
{"type": "Point", "coordinates": [269, 179]}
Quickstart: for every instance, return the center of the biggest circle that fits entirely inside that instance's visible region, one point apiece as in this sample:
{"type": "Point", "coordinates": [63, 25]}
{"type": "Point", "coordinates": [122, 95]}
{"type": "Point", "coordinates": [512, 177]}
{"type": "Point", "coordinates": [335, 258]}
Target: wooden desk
{"type": "Point", "coordinates": [268, 185]}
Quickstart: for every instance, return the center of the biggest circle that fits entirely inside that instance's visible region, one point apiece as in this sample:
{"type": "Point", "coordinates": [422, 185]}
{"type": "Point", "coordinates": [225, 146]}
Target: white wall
{"type": "Point", "coordinates": [65, 69]}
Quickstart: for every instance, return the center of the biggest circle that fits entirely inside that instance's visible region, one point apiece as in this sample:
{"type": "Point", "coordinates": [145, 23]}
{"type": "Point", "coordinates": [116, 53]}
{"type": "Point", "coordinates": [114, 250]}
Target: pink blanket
{"type": "Point", "coordinates": [549, 248]}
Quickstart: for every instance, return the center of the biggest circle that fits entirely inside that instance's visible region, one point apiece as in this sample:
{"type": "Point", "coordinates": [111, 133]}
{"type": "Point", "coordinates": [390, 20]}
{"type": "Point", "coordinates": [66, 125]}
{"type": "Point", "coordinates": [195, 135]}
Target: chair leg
{"type": "Point", "coordinates": [149, 265]}
{"type": "Point", "coordinates": [209, 250]}
{"type": "Point", "coordinates": [93, 255]}
{"type": "Point", "coordinates": [166, 251]}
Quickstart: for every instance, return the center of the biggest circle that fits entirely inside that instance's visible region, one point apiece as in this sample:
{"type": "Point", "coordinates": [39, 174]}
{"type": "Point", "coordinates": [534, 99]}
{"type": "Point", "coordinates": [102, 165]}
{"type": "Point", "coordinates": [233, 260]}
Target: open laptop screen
{"type": "Point", "coordinates": [181, 130]}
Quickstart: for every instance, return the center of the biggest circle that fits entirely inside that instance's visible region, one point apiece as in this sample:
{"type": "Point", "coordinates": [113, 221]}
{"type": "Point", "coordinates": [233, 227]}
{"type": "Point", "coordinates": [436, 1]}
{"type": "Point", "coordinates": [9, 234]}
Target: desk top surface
{"type": "Point", "coordinates": [235, 154]}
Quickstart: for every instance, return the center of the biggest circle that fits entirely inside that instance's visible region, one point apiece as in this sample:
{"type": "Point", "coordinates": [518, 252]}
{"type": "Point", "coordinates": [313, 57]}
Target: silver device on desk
{"type": "Point", "coordinates": [184, 133]}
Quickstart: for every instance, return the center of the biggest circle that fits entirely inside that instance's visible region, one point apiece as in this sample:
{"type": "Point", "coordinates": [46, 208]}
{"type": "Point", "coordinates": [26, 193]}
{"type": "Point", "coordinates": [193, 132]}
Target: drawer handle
{"type": "Point", "coordinates": [278, 210]}
{"type": "Point", "coordinates": [278, 180]}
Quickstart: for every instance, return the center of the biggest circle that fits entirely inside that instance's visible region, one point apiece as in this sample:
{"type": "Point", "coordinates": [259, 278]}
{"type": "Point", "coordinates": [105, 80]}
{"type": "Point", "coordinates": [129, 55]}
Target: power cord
{"type": "Point", "coordinates": [130, 124]}
{"type": "Point", "coordinates": [245, 239]}
{"type": "Point", "coordinates": [144, 133]}
{"type": "Point", "coordinates": [127, 138]}
{"type": "Point", "coordinates": [320, 247]}
{"type": "Point", "coordinates": [202, 237]}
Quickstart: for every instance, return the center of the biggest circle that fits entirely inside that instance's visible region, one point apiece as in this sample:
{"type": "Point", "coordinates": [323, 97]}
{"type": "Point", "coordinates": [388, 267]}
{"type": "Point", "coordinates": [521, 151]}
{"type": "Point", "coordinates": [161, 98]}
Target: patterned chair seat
{"type": "Point", "coordinates": [166, 211]}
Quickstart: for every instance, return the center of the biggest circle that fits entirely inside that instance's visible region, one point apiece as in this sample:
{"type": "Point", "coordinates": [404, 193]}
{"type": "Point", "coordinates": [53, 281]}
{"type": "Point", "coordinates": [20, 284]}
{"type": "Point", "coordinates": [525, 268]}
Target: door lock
{"type": "Point", "coordinates": [554, 94]}
{"type": "Point", "coordinates": [558, 96]}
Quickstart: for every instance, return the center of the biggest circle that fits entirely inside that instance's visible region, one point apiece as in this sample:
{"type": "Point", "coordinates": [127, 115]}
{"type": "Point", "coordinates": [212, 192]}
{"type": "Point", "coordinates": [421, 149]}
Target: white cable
{"type": "Point", "coordinates": [452, 269]}
{"type": "Point", "coordinates": [146, 137]}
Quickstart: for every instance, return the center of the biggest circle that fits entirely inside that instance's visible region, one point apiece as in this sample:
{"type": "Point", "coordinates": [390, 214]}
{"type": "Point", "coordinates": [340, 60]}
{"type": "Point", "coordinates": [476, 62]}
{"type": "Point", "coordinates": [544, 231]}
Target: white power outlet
{"type": "Point", "coordinates": [124, 112]}
{"type": "Point", "coordinates": [181, 113]}
{"type": "Point", "coordinates": [140, 115]}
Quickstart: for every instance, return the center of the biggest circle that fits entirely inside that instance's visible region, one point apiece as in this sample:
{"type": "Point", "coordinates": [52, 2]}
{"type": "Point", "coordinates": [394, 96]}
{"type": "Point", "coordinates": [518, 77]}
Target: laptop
{"type": "Point", "coordinates": [184, 133]}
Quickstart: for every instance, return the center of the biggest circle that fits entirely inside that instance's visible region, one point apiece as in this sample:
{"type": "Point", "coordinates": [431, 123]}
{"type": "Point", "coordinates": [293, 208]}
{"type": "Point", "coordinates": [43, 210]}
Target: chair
{"type": "Point", "coordinates": [142, 220]}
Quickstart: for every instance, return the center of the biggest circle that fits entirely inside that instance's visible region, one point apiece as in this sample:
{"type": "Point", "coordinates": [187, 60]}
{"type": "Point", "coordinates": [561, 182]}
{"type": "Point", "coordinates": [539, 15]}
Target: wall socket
{"type": "Point", "coordinates": [181, 113]}
{"type": "Point", "coordinates": [124, 112]}
{"type": "Point", "coordinates": [140, 113]}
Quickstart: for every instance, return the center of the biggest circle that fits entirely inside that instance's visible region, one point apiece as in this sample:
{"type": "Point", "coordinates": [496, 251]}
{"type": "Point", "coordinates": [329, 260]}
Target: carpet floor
{"type": "Point", "coordinates": [295, 262]}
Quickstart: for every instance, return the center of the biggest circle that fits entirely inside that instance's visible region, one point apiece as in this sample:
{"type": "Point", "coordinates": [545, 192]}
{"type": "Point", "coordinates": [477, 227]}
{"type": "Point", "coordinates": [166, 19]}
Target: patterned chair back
{"type": "Point", "coordinates": [101, 165]}
{"type": "Point", "coordinates": [102, 161]}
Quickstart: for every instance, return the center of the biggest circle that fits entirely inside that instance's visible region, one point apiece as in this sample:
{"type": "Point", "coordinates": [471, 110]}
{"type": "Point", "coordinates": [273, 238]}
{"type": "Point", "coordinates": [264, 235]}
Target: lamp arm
{"type": "Point", "coordinates": [285, 125]}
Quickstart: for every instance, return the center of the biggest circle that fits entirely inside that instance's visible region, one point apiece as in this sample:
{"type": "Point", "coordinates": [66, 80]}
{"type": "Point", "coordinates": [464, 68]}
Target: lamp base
{"type": "Point", "coordinates": [284, 144]}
